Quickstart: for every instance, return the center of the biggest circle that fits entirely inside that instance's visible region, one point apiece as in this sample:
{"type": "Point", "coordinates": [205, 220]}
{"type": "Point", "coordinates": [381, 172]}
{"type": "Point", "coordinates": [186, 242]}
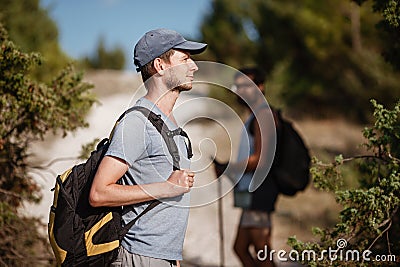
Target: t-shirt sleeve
{"type": "Point", "coordinates": [129, 140]}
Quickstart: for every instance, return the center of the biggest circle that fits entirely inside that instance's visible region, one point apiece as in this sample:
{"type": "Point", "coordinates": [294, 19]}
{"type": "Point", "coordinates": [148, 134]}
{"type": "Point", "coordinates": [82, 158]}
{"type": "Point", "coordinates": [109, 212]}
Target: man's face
{"type": "Point", "coordinates": [180, 72]}
{"type": "Point", "coordinates": [246, 89]}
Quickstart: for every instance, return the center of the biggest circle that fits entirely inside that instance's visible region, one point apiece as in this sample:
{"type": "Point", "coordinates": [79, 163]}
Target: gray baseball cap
{"type": "Point", "coordinates": [156, 42]}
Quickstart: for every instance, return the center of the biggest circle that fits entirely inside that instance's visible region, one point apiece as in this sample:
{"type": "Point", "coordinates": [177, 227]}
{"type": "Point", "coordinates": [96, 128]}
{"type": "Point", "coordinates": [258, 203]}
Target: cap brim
{"type": "Point", "coordinates": [192, 47]}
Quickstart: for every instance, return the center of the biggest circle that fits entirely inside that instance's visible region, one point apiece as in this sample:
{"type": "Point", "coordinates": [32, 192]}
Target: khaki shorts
{"type": "Point", "coordinates": [254, 218]}
{"type": "Point", "coordinates": [127, 259]}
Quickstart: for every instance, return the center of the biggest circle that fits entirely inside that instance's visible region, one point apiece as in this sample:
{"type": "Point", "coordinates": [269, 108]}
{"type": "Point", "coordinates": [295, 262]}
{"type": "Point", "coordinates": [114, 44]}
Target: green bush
{"type": "Point", "coordinates": [29, 109]}
{"type": "Point", "coordinates": [370, 218]}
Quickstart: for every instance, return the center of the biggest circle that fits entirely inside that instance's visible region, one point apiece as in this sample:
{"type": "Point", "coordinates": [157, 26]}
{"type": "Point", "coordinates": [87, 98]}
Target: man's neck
{"type": "Point", "coordinates": [165, 101]}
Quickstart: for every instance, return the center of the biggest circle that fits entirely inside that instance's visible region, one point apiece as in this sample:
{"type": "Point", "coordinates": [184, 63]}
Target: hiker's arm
{"type": "Point", "coordinates": [261, 142]}
{"type": "Point", "coordinates": [106, 192]}
{"type": "Point", "coordinates": [262, 147]}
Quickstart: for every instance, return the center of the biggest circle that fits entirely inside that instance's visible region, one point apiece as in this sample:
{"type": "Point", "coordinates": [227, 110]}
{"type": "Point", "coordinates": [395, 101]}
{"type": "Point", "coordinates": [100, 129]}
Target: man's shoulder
{"type": "Point", "coordinates": [134, 115]}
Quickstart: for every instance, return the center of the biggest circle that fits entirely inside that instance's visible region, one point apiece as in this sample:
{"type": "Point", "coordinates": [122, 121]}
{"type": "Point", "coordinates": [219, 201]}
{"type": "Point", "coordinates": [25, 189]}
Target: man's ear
{"type": "Point", "coordinates": [159, 66]}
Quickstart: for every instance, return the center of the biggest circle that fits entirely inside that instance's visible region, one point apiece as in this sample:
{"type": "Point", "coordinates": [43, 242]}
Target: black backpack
{"type": "Point", "coordinates": [291, 166]}
{"type": "Point", "coordinates": [82, 235]}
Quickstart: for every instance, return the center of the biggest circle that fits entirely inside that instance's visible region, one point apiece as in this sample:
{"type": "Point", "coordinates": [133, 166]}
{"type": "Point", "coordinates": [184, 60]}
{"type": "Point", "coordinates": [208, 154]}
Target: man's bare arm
{"type": "Point", "coordinates": [106, 192]}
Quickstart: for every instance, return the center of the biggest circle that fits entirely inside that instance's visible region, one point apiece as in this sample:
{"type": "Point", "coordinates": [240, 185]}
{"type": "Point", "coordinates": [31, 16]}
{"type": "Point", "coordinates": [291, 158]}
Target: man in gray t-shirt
{"type": "Point", "coordinates": [139, 155]}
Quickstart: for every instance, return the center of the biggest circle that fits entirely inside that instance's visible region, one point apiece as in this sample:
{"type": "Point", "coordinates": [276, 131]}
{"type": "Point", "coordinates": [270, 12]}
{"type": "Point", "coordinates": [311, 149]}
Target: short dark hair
{"type": "Point", "coordinates": [148, 70]}
{"type": "Point", "coordinates": [256, 74]}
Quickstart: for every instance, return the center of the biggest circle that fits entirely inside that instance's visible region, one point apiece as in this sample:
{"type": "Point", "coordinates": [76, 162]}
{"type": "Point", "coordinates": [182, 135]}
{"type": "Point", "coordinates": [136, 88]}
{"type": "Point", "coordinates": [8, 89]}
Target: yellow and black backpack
{"type": "Point", "coordinates": [80, 234]}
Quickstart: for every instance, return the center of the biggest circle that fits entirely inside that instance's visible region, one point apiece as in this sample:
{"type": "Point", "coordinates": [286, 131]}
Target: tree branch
{"type": "Point", "coordinates": [18, 122]}
{"type": "Point", "coordinates": [6, 192]}
{"type": "Point", "coordinates": [353, 158]}
{"type": "Point", "coordinates": [389, 220]}
{"type": "Point", "coordinates": [393, 158]}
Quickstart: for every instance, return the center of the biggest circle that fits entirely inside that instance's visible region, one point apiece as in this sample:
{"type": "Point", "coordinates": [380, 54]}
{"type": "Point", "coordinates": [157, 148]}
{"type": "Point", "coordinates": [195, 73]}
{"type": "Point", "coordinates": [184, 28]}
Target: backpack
{"type": "Point", "coordinates": [82, 235]}
{"type": "Point", "coordinates": [291, 166]}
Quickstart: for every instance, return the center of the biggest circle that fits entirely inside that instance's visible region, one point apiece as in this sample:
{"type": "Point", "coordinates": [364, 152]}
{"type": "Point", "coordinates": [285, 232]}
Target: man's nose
{"type": "Point", "coordinates": [193, 65]}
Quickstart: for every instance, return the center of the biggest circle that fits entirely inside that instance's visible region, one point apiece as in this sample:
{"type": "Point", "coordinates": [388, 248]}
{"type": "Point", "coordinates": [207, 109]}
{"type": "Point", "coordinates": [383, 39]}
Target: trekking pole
{"type": "Point", "coordinates": [221, 226]}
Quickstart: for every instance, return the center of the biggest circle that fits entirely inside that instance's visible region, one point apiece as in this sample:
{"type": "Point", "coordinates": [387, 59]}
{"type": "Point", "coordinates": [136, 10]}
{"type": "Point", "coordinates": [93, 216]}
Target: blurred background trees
{"type": "Point", "coordinates": [388, 28]}
{"type": "Point", "coordinates": [104, 58]}
{"type": "Point", "coordinates": [30, 26]}
{"type": "Point", "coordinates": [323, 58]}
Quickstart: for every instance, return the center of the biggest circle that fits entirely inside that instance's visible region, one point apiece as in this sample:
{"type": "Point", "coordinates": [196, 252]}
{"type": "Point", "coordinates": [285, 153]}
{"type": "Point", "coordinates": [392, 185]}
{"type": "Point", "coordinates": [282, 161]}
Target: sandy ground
{"type": "Point", "coordinates": [293, 216]}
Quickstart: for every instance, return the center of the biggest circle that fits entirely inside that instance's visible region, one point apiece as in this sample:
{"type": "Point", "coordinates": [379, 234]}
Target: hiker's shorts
{"type": "Point", "coordinates": [125, 258]}
{"type": "Point", "coordinates": [254, 218]}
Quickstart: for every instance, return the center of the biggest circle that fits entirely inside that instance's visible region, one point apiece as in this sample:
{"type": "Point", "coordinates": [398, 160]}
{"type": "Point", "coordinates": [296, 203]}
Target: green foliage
{"type": "Point", "coordinates": [106, 59]}
{"type": "Point", "coordinates": [29, 109]}
{"type": "Point", "coordinates": [31, 27]}
{"type": "Point", "coordinates": [329, 51]}
{"type": "Point", "coordinates": [370, 216]}
{"type": "Point", "coordinates": [389, 28]}
{"type": "Point", "coordinates": [225, 23]}
{"type": "Point", "coordinates": [88, 148]}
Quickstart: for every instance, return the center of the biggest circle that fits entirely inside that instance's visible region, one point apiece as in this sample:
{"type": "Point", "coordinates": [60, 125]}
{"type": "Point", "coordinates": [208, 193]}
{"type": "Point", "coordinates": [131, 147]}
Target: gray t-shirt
{"type": "Point", "coordinates": [160, 232]}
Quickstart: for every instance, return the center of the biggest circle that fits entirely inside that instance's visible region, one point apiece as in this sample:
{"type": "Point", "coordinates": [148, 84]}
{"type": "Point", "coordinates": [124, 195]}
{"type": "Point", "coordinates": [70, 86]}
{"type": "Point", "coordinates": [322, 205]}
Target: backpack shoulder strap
{"type": "Point", "coordinates": [163, 129]}
{"type": "Point", "coordinates": [119, 120]}
{"type": "Point", "coordinates": [126, 228]}
{"type": "Point", "coordinates": [167, 135]}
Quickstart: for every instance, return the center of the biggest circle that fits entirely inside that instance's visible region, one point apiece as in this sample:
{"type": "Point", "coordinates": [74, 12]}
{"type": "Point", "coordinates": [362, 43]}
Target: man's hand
{"type": "Point", "coordinates": [219, 167]}
{"type": "Point", "coordinates": [180, 182]}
